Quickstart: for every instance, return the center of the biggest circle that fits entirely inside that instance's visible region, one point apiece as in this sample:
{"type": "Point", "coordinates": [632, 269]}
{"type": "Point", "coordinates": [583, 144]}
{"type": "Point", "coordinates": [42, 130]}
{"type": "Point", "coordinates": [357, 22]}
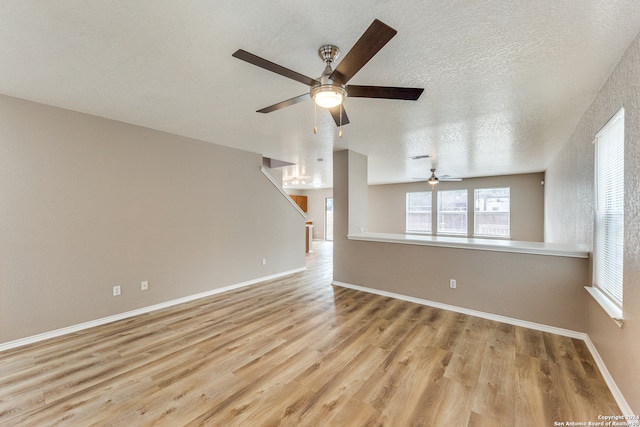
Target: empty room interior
{"type": "Point", "coordinates": [297, 213]}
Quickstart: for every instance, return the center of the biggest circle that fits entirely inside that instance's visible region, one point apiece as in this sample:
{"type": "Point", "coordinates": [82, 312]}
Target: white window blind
{"type": "Point", "coordinates": [418, 212]}
{"type": "Point", "coordinates": [452, 212]}
{"type": "Point", "coordinates": [492, 212]}
{"type": "Point", "coordinates": [608, 248]}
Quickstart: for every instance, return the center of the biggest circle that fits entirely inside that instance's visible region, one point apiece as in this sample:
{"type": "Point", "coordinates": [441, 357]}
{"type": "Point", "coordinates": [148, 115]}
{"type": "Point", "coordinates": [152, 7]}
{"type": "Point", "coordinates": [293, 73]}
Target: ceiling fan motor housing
{"type": "Point", "coordinates": [328, 53]}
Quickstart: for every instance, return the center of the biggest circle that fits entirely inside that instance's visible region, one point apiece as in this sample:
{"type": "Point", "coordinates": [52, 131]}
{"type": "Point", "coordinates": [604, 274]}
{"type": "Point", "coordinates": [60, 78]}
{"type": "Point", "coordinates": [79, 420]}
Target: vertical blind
{"type": "Point", "coordinates": [609, 209]}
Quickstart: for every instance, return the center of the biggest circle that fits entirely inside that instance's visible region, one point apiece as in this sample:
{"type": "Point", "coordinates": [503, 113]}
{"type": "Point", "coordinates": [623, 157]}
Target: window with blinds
{"type": "Point", "coordinates": [608, 251]}
{"type": "Point", "coordinates": [492, 212]}
{"type": "Point", "coordinates": [418, 212]}
{"type": "Point", "coordinates": [452, 212]}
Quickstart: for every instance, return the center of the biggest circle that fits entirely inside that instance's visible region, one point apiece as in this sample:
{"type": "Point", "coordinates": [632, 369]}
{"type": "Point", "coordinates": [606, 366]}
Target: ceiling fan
{"type": "Point", "coordinates": [330, 89]}
{"type": "Point", "coordinates": [433, 179]}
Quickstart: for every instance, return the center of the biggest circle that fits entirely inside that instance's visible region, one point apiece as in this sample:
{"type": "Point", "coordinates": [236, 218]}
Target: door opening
{"type": "Point", "coordinates": [328, 218]}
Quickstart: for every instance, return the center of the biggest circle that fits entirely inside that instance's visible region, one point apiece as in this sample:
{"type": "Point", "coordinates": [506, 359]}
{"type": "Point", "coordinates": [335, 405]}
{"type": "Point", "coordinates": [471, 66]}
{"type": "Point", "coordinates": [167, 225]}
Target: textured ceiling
{"type": "Point", "coordinates": [505, 81]}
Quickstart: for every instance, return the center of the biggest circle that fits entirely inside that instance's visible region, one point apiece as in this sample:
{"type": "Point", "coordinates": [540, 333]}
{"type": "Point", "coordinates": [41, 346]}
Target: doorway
{"type": "Point", "coordinates": [328, 218]}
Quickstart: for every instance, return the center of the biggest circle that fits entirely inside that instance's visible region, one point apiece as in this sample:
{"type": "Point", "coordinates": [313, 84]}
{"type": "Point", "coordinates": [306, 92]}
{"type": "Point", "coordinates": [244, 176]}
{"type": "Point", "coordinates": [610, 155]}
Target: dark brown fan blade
{"type": "Point", "coordinates": [286, 103]}
{"type": "Point", "coordinates": [270, 66]}
{"type": "Point", "coordinates": [408, 93]}
{"type": "Point", "coordinates": [335, 113]}
{"type": "Point", "coordinates": [374, 38]}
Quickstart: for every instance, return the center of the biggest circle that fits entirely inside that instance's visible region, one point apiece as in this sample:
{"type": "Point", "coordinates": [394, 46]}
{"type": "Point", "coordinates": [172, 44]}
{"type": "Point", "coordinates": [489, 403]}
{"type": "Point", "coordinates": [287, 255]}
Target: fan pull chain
{"type": "Point", "coordinates": [340, 127]}
{"type": "Point", "coordinates": [315, 118]}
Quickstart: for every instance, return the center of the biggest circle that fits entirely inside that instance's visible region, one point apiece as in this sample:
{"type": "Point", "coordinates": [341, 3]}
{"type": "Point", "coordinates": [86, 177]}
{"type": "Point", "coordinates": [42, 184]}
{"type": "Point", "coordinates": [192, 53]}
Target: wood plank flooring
{"type": "Point", "coordinates": [299, 352]}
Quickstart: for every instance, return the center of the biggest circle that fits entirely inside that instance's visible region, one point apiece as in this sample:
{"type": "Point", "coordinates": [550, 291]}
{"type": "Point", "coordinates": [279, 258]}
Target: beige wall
{"type": "Point", "coordinates": [536, 288]}
{"type": "Point", "coordinates": [350, 174]}
{"type": "Point", "coordinates": [89, 203]}
{"type": "Point", "coordinates": [387, 203]}
{"type": "Point", "coordinates": [569, 216]}
{"type": "Point", "coordinates": [357, 192]}
{"type": "Point", "coordinates": [316, 207]}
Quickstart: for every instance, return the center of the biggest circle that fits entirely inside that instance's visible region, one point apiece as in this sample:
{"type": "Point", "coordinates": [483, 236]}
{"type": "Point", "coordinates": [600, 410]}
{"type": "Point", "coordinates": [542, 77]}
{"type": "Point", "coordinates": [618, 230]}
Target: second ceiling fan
{"type": "Point", "coordinates": [330, 89]}
{"type": "Point", "coordinates": [433, 179]}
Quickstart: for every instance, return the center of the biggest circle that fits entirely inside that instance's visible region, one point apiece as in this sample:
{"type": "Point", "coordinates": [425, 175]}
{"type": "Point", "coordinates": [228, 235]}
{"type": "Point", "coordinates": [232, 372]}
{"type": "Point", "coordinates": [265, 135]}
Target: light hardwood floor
{"type": "Point", "coordinates": [299, 352]}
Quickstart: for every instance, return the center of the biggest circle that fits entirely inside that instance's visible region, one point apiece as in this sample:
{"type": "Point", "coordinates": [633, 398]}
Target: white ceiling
{"type": "Point", "coordinates": [505, 81]}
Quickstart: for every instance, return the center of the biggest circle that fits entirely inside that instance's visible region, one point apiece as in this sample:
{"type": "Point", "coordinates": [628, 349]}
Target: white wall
{"type": "Point", "coordinates": [569, 216]}
{"type": "Point", "coordinates": [89, 203]}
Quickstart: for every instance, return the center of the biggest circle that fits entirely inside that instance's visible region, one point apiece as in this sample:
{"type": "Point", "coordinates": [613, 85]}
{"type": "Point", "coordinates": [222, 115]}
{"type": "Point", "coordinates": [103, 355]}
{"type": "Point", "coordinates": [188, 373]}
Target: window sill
{"type": "Point", "coordinates": [450, 234]}
{"type": "Point", "coordinates": [475, 236]}
{"type": "Point", "coordinates": [611, 309]}
{"type": "Point", "coordinates": [480, 236]}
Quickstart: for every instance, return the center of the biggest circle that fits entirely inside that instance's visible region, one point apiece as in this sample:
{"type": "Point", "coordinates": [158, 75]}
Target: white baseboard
{"type": "Point", "coordinates": [120, 316]}
{"type": "Point", "coordinates": [615, 391]}
{"type": "Point", "coordinates": [489, 316]}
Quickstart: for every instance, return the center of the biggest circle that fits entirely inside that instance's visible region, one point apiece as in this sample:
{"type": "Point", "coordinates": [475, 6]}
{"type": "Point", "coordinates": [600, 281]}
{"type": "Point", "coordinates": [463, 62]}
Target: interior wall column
{"type": "Point", "coordinates": [350, 190]}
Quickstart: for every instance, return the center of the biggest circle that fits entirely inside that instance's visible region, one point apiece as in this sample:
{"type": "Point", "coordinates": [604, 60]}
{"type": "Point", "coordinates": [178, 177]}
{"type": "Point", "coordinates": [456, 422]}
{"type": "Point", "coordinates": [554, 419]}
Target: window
{"type": "Point", "coordinates": [608, 248]}
{"type": "Point", "coordinates": [491, 214]}
{"type": "Point", "coordinates": [418, 212]}
{"type": "Point", "coordinates": [452, 212]}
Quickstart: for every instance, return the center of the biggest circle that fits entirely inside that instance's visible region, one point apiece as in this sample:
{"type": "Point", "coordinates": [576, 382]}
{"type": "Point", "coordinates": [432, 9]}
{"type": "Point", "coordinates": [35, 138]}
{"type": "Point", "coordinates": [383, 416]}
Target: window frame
{"type": "Point", "coordinates": [608, 234]}
{"type": "Point", "coordinates": [439, 212]}
{"type": "Point", "coordinates": [407, 213]}
{"type": "Point", "coordinates": [476, 211]}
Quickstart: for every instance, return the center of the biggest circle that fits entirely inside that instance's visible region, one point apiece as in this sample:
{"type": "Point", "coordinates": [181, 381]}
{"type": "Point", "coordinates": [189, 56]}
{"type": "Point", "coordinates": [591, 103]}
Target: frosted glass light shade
{"type": "Point", "coordinates": [328, 96]}
{"type": "Point", "coordinates": [328, 99]}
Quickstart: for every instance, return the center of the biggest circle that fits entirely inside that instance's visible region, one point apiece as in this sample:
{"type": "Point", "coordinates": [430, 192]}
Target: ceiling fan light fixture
{"type": "Point", "coordinates": [433, 179]}
{"type": "Point", "coordinates": [328, 95]}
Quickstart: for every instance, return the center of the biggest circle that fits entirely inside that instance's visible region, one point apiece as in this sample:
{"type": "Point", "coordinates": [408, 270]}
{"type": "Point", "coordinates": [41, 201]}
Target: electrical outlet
{"type": "Point", "coordinates": [144, 285]}
{"type": "Point", "coordinates": [452, 283]}
{"type": "Point", "coordinates": [264, 261]}
{"type": "Point", "coordinates": [116, 290]}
